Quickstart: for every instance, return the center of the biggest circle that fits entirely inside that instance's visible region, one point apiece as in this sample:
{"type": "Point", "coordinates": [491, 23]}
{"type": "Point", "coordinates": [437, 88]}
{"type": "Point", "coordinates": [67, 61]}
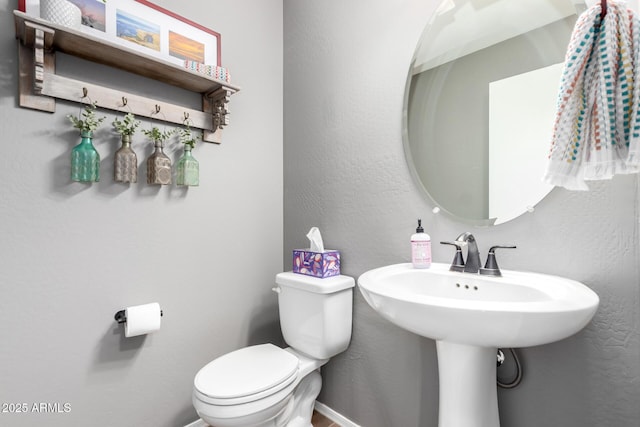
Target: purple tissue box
{"type": "Point", "coordinates": [316, 264]}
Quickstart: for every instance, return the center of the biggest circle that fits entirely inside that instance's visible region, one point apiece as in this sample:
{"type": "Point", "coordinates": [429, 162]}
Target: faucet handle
{"type": "Point", "coordinates": [458, 260]}
{"type": "Point", "coordinates": [491, 266]}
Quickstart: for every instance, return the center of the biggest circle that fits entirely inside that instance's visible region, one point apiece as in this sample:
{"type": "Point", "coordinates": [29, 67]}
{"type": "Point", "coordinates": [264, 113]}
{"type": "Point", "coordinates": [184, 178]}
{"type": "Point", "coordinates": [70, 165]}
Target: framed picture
{"type": "Point", "coordinates": [145, 27]}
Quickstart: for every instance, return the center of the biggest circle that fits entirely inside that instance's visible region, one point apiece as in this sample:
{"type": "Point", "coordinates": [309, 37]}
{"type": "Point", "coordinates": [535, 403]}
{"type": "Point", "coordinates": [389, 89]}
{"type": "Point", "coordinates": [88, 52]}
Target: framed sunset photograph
{"type": "Point", "coordinates": [185, 48]}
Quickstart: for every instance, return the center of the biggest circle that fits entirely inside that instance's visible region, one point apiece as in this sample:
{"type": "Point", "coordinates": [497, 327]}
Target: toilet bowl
{"type": "Point", "coordinates": [269, 381]}
{"type": "Point", "coordinates": [267, 386]}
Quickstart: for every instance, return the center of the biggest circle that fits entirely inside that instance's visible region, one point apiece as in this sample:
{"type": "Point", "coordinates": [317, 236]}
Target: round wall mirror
{"type": "Point", "coordinates": [480, 104]}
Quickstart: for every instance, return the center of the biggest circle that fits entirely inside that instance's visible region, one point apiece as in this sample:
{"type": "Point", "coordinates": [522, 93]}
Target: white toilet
{"type": "Point", "coordinates": [264, 385]}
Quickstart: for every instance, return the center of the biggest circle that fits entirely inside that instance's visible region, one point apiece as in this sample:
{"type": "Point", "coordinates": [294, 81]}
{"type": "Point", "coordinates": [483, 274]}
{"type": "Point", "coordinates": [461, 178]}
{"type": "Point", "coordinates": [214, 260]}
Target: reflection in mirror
{"type": "Point", "coordinates": [480, 104]}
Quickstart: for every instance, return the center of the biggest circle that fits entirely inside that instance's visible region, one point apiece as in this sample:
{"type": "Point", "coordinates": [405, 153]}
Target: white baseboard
{"type": "Point", "coordinates": [334, 416]}
{"type": "Point", "coordinates": [320, 407]}
{"type": "Point", "coordinates": [197, 423]}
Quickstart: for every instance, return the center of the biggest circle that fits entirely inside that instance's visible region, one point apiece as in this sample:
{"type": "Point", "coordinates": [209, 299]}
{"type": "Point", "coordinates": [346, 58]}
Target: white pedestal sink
{"type": "Point", "coordinates": [470, 316]}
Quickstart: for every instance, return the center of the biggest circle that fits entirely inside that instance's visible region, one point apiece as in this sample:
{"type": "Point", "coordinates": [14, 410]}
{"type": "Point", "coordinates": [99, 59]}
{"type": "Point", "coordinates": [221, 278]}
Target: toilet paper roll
{"type": "Point", "coordinates": [142, 319]}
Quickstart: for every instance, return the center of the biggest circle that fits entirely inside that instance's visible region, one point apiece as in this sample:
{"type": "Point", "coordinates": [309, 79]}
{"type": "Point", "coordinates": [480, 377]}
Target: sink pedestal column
{"type": "Point", "coordinates": [468, 392]}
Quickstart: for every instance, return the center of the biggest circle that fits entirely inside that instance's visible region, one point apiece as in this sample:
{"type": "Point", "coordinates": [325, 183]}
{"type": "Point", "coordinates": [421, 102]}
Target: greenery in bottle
{"type": "Point", "coordinates": [87, 121]}
{"type": "Point", "coordinates": [126, 126]}
{"type": "Point", "coordinates": [158, 136]}
{"type": "Point", "coordinates": [187, 137]}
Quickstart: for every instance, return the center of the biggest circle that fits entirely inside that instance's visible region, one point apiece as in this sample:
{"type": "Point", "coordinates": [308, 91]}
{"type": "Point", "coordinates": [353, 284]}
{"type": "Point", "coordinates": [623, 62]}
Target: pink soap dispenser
{"type": "Point", "coordinates": [420, 248]}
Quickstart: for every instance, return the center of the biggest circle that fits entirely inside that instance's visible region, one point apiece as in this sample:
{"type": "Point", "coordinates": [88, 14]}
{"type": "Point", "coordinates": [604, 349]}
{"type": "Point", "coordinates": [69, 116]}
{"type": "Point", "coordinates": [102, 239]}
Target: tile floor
{"type": "Point", "coordinates": [319, 420]}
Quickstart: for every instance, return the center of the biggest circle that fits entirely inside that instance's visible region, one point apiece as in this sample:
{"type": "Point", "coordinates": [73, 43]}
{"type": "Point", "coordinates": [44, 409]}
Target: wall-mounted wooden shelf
{"type": "Point", "coordinates": [40, 86]}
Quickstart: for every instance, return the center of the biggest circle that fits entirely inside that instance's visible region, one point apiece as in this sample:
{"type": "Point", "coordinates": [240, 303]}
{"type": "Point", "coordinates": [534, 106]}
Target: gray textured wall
{"type": "Point", "coordinates": [345, 172]}
{"type": "Point", "coordinates": [71, 255]}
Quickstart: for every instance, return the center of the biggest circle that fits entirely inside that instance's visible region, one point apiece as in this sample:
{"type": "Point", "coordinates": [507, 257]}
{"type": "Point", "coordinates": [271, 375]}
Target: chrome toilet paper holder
{"type": "Point", "coordinates": [121, 316]}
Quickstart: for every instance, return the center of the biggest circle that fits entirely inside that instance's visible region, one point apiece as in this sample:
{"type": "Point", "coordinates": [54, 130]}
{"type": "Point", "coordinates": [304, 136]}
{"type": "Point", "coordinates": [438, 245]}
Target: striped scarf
{"type": "Point", "coordinates": [596, 133]}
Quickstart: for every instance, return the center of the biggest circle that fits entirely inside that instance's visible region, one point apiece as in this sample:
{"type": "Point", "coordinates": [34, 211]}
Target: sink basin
{"type": "Point", "coordinates": [515, 310]}
{"type": "Point", "coordinates": [470, 316]}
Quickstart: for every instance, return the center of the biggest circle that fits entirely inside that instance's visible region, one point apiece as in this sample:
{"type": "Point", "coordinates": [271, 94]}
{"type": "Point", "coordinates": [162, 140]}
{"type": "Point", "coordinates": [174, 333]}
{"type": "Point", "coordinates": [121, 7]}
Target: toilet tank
{"type": "Point", "coordinates": [315, 314]}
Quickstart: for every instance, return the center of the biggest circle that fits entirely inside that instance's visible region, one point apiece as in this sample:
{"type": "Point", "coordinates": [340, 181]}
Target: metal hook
{"type": "Point", "coordinates": [85, 92]}
{"type": "Point", "coordinates": [187, 121]}
{"type": "Point", "coordinates": [157, 108]}
{"type": "Point", "coordinates": [125, 103]}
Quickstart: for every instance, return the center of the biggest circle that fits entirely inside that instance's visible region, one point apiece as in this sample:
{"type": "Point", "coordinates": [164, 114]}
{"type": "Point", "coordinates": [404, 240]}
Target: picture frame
{"type": "Point", "coordinates": [145, 27]}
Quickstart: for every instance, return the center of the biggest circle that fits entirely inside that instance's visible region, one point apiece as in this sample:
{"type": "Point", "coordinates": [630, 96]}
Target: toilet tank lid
{"type": "Point", "coordinates": [327, 285]}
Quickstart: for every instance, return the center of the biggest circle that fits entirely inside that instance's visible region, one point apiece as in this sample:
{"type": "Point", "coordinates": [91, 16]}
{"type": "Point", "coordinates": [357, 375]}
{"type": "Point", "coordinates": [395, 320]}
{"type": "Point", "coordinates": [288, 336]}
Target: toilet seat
{"type": "Point", "coordinates": [246, 375]}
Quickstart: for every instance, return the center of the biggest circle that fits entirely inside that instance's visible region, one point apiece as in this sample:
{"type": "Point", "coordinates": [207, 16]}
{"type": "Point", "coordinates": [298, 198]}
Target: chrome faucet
{"type": "Point", "coordinates": [472, 265]}
{"type": "Point", "coordinates": [473, 256]}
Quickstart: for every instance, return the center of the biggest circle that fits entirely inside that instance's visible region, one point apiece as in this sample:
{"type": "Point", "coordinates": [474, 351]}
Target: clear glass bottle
{"type": "Point", "coordinates": [85, 160]}
{"type": "Point", "coordinates": [159, 166]}
{"type": "Point", "coordinates": [125, 164]}
{"type": "Point", "coordinates": [187, 169]}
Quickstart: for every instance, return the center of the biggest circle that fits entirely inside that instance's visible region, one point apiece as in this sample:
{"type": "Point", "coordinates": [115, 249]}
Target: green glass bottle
{"type": "Point", "coordinates": [188, 169]}
{"type": "Point", "coordinates": [85, 160]}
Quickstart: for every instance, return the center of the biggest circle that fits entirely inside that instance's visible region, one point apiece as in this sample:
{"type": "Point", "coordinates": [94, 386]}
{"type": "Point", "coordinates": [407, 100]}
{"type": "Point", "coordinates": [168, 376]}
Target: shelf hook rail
{"type": "Point", "coordinates": [40, 86]}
